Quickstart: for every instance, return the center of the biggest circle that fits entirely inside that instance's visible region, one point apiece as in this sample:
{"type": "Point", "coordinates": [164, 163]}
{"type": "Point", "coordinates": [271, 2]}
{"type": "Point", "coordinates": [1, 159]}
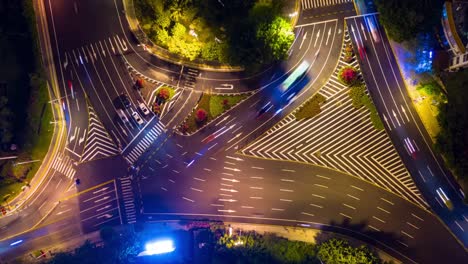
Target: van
{"type": "Point", "coordinates": [122, 115]}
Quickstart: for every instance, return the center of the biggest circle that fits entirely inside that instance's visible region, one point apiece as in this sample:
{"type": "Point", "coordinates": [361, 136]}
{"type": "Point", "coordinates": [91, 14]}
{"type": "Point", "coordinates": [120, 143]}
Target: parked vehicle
{"type": "Point", "coordinates": [137, 118]}
{"type": "Point", "coordinates": [122, 115]}
{"type": "Point", "coordinates": [143, 109]}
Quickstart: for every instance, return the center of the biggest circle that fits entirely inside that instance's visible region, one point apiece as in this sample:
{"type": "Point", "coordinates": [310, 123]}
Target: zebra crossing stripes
{"type": "Point", "coordinates": [64, 165]}
{"type": "Point", "coordinates": [98, 142]}
{"type": "Point", "coordinates": [309, 4]}
{"type": "Point", "coordinates": [128, 199]}
{"type": "Point", "coordinates": [144, 143]}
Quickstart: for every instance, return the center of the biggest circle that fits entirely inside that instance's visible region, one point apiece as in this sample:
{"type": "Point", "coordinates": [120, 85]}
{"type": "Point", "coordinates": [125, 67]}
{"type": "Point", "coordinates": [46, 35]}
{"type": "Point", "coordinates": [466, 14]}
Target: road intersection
{"type": "Point", "coordinates": [131, 172]}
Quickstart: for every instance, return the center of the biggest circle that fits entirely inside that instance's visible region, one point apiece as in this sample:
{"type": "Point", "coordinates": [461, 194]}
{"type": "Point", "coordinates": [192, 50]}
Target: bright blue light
{"type": "Point", "coordinates": [159, 247]}
{"type": "Point", "coordinates": [430, 54]}
{"type": "Point", "coordinates": [16, 242]}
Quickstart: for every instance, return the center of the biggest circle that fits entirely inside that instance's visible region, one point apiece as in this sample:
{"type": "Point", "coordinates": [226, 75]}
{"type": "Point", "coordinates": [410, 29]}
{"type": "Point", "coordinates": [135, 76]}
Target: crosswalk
{"type": "Point", "coordinates": [64, 165]}
{"type": "Point", "coordinates": [92, 52]}
{"type": "Point", "coordinates": [128, 200]}
{"type": "Point", "coordinates": [309, 4]}
{"type": "Point", "coordinates": [150, 136]}
{"type": "Point", "coordinates": [98, 142]}
{"type": "Point", "coordinates": [340, 137]}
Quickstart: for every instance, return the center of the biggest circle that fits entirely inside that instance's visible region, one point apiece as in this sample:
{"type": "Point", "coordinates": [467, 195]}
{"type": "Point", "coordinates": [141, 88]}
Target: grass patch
{"type": "Point", "coordinates": [310, 108]}
{"type": "Point", "coordinates": [214, 105]}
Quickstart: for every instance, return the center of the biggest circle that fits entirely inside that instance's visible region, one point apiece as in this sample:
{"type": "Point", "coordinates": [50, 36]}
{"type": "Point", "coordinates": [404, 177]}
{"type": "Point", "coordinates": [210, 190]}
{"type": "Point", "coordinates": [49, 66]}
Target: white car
{"type": "Point", "coordinates": [143, 109]}
{"type": "Point", "coordinates": [137, 118]}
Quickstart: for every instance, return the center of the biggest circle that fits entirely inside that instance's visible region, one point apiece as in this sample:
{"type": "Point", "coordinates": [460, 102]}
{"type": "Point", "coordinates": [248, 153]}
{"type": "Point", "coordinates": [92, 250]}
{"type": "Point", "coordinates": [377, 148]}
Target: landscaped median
{"type": "Point", "coordinates": [209, 107]}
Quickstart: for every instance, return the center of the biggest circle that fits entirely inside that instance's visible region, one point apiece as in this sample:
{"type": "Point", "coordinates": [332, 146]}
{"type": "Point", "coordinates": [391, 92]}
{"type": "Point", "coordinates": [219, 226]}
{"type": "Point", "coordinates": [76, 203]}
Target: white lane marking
{"type": "Point", "coordinates": [385, 200]}
{"type": "Point", "coordinates": [345, 215]}
{"type": "Point", "coordinates": [198, 179]}
{"type": "Point", "coordinates": [257, 168]}
{"type": "Point", "coordinates": [228, 190]}
{"type": "Point", "coordinates": [459, 226]}
{"type": "Point", "coordinates": [285, 200]}
{"type": "Point", "coordinates": [218, 205]}
{"type": "Point", "coordinates": [404, 233]}
{"type": "Point", "coordinates": [225, 194]}
{"type": "Point", "coordinates": [406, 245]}
{"type": "Point", "coordinates": [195, 189]}
{"type": "Point", "coordinates": [206, 169]}
{"type": "Point", "coordinates": [376, 218]}
{"type": "Point", "coordinates": [225, 184]}
{"type": "Point", "coordinates": [316, 205]}
{"type": "Point", "coordinates": [277, 209]}
{"type": "Point", "coordinates": [227, 200]}
{"type": "Point", "coordinates": [323, 177]}
{"type": "Point", "coordinates": [247, 207]}
{"type": "Point", "coordinates": [309, 214]}
{"type": "Point", "coordinates": [381, 209]}
{"type": "Point", "coordinates": [422, 176]}
{"type": "Point", "coordinates": [227, 211]}
{"type": "Point", "coordinates": [187, 199]}
{"type": "Point", "coordinates": [256, 197]}
{"type": "Point", "coordinates": [302, 42]}
{"type": "Point", "coordinates": [257, 177]}
{"type": "Point", "coordinates": [429, 169]}
{"type": "Point", "coordinates": [376, 229]}
{"type": "Point", "coordinates": [287, 180]}
{"type": "Point", "coordinates": [316, 38]}
{"type": "Point", "coordinates": [413, 226]}
{"type": "Point", "coordinates": [288, 170]}
{"type": "Point", "coordinates": [286, 190]}
{"type": "Point", "coordinates": [211, 158]}
{"type": "Point", "coordinates": [354, 197]}
{"type": "Point", "coordinates": [349, 206]}
{"type": "Point", "coordinates": [230, 180]}
{"type": "Point", "coordinates": [164, 189]}
{"type": "Point", "coordinates": [171, 180]}
{"type": "Point", "coordinates": [256, 188]}
{"type": "Point", "coordinates": [404, 112]}
{"type": "Point", "coordinates": [320, 185]}
{"type": "Point", "coordinates": [213, 146]}
{"type": "Point", "coordinates": [319, 196]}
{"type": "Point", "coordinates": [357, 188]}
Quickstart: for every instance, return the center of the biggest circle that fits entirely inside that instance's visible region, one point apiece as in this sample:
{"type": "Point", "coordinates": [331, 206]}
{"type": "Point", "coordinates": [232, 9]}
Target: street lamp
{"type": "Point", "coordinates": [293, 14]}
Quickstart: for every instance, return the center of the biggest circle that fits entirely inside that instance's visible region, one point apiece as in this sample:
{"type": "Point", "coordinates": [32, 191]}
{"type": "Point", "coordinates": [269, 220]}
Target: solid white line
{"type": "Point", "coordinates": [287, 180]}
{"type": "Point", "coordinates": [354, 197]}
{"type": "Point", "coordinates": [247, 207]}
{"type": "Point", "coordinates": [198, 179]}
{"type": "Point", "coordinates": [304, 213]}
{"type": "Point", "coordinates": [285, 200]}
{"type": "Point", "coordinates": [286, 190]}
{"type": "Point", "coordinates": [413, 226]}
{"type": "Point", "coordinates": [288, 170]}
{"type": "Point", "coordinates": [256, 197]}
{"type": "Point", "coordinates": [257, 177]}
{"type": "Point", "coordinates": [376, 229]}
{"type": "Point", "coordinates": [198, 190]}
{"type": "Point", "coordinates": [277, 209]}
{"type": "Point", "coordinates": [316, 205]}
{"type": "Point", "coordinates": [258, 168]}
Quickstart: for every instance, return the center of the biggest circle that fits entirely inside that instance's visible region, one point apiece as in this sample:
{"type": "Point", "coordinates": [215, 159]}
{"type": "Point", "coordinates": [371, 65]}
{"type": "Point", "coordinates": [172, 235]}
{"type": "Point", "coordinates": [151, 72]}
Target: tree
{"type": "Point", "coordinates": [6, 125]}
{"type": "Point", "coordinates": [163, 94]}
{"type": "Point", "coordinates": [339, 251]}
{"type": "Point", "coordinates": [201, 115]}
{"type": "Point", "coordinates": [347, 75]}
{"type": "Point", "coordinates": [404, 19]}
{"type": "Point", "coordinates": [163, 20]}
{"type": "Point", "coordinates": [357, 92]}
{"type": "Point", "coordinates": [277, 37]}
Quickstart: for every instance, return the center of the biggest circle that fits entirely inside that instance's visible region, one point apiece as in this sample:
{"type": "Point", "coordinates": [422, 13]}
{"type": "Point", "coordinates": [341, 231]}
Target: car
{"type": "Point", "coordinates": [122, 115]}
{"type": "Point", "coordinates": [362, 52]}
{"type": "Point", "coordinates": [373, 30]}
{"type": "Point", "coordinates": [125, 100]}
{"type": "Point", "coordinates": [143, 109]}
{"type": "Point", "coordinates": [137, 118]}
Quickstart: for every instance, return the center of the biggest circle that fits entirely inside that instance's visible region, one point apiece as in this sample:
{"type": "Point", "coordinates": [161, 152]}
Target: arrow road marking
{"type": "Point", "coordinates": [363, 31]}
{"type": "Point", "coordinates": [302, 42]}
{"type": "Point", "coordinates": [404, 112]}
{"type": "Point", "coordinates": [318, 35]}
{"type": "Point", "coordinates": [394, 114]}
{"type": "Point", "coordinates": [74, 135]}
{"type": "Point", "coordinates": [82, 138]}
{"type": "Point", "coordinates": [328, 36]}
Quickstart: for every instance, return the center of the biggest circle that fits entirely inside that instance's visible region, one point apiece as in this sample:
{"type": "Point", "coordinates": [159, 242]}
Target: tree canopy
{"type": "Point", "coordinates": [404, 19]}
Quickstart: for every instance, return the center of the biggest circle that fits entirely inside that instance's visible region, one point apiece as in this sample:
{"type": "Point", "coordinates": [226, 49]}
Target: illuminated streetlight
{"type": "Point", "coordinates": [293, 14]}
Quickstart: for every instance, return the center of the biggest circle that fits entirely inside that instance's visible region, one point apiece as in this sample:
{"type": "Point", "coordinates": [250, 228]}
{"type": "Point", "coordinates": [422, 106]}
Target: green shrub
{"type": "Point", "coordinates": [311, 108]}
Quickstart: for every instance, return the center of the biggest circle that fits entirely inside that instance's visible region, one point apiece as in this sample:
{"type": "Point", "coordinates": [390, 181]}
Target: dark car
{"type": "Point", "coordinates": [125, 100]}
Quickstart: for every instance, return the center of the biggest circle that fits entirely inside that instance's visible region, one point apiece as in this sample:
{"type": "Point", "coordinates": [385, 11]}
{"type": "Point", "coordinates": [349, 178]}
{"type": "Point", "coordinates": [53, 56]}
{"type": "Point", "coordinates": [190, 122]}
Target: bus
{"type": "Point", "coordinates": [373, 29]}
{"type": "Point", "coordinates": [298, 72]}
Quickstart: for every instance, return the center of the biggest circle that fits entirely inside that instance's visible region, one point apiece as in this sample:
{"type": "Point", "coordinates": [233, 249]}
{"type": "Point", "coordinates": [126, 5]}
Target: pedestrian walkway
{"type": "Point", "coordinates": [140, 147]}
{"type": "Point", "coordinates": [98, 142]}
{"type": "Point", "coordinates": [64, 165]}
{"type": "Point", "coordinates": [309, 4]}
{"type": "Point", "coordinates": [341, 137]}
{"type": "Point", "coordinates": [126, 191]}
